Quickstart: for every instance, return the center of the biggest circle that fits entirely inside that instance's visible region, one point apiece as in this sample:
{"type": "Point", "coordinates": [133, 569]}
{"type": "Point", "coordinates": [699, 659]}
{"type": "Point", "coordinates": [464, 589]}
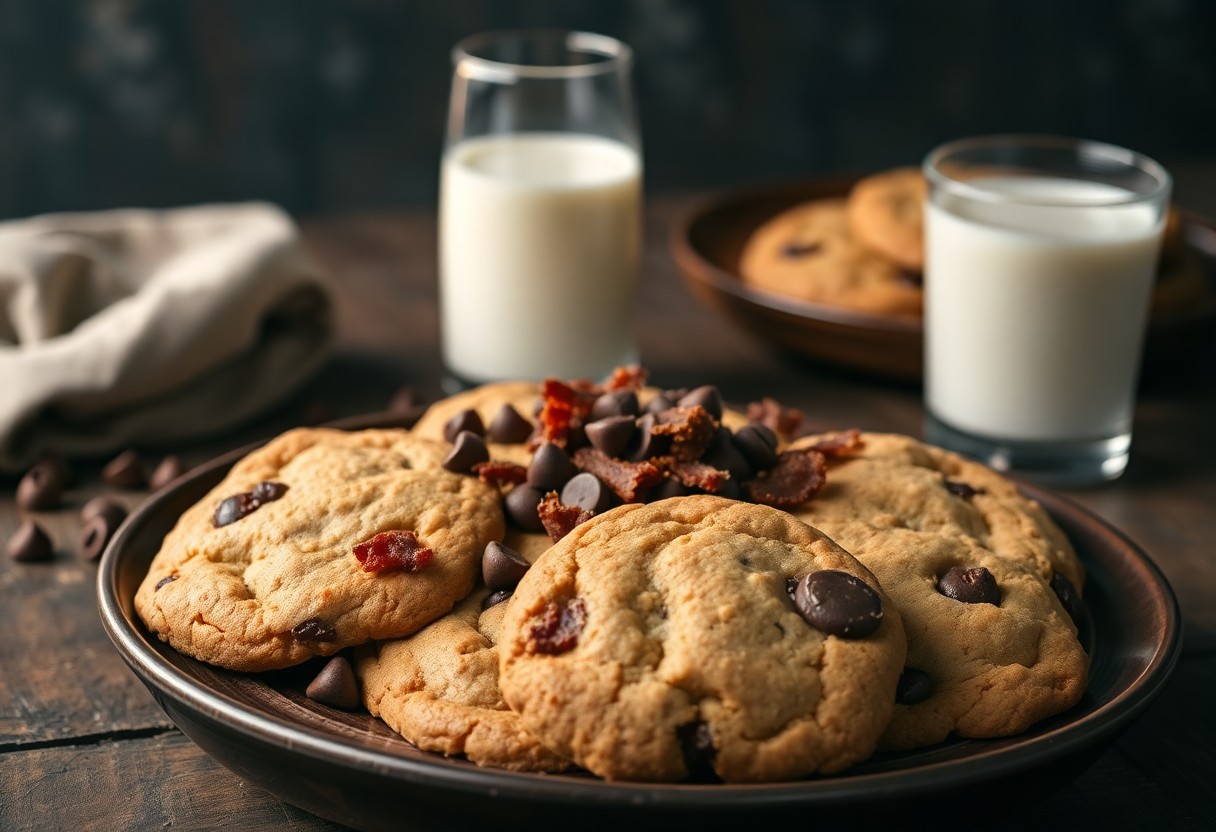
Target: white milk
{"type": "Point", "coordinates": [1035, 314]}
{"type": "Point", "coordinates": [539, 244]}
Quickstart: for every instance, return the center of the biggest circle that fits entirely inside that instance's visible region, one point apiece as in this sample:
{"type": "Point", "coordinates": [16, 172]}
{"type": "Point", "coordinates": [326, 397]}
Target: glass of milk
{"type": "Point", "coordinates": [1040, 258]}
{"type": "Point", "coordinates": [540, 208]}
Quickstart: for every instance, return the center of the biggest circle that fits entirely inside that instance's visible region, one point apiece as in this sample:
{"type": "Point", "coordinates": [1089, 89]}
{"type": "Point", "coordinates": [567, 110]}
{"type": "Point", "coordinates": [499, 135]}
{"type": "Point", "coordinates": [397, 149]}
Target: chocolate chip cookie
{"type": "Point", "coordinates": [439, 689]}
{"type": "Point", "coordinates": [317, 541]}
{"type": "Point", "coordinates": [701, 637]}
{"type": "Point", "coordinates": [886, 213]}
{"type": "Point", "coordinates": [809, 252]}
{"type": "Point", "coordinates": [986, 584]}
{"type": "Point", "coordinates": [503, 413]}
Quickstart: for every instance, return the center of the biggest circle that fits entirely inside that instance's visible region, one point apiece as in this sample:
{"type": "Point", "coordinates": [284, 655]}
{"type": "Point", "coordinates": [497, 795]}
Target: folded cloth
{"type": "Point", "coordinates": [145, 328]}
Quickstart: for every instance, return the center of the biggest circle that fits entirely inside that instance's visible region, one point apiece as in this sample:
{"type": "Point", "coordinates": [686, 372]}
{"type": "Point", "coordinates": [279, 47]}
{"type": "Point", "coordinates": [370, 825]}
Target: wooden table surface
{"type": "Point", "coordinates": [84, 746]}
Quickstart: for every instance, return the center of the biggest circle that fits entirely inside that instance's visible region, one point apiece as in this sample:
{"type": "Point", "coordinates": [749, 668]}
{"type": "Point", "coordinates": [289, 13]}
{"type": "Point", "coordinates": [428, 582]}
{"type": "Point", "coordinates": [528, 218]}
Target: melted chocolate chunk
{"type": "Point", "coordinates": [914, 686]}
{"type": "Point", "coordinates": [961, 489]}
{"type": "Point", "coordinates": [335, 685]}
{"type": "Point", "coordinates": [838, 604]}
{"type": "Point", "coordinates": [314, 629]}
{"type": "Point", "coordinates": [168, 579]}
{"type": "Point", "coordinates": [796, 250]}
{"type": "Point", "coordinates": [975, 585]}
{"type": "Point", "coordinates": [234, 508]}
{"type": "Point", "coordinates": [268, 492]}
{"type": "Point", "coordinates": [501, 566]}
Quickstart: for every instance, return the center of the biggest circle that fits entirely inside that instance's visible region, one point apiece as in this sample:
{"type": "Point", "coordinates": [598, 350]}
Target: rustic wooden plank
{"type": "Point", "coordinates": [162, 782]}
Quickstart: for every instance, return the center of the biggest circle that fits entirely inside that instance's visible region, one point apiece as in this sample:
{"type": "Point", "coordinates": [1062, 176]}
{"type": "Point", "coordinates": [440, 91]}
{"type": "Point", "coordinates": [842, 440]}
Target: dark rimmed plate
{"type": "Point", "coordinates": [352, 769]}
{"type": "Point", "coordinates": [708, 238]}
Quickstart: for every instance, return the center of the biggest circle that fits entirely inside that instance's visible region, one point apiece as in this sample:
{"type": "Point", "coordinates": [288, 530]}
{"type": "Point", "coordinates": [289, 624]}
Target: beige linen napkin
{"type": "Point", "coordinates": [140, 327]}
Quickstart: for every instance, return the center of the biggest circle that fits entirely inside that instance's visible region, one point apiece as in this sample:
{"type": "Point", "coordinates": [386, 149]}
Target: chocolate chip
{"type": "Point", "coordinates": [838, 604]}
{"type": "Point", "coordinates": [125, 471]}
{"type": "Point", "coordinates": [975, 585]}
{"type": "Point", "coordinates": [961, 489]}
{"type": "Point", "coordinates": [669, 487]}
{"type": "Point", "coordinates": [508, 427]}
{"type": "Point", "coordinates": [1069, 598]}
{"type": "Point", "coordinates": [551, 468]}
{"type": "Point", "coordinates": [521, 502]}
{"type": "Point", "coordinates": [731, 490]}
{"type": "Point", "coordinates": [646, 444]}
{"type": "Point", "coordinates": [168, 579]}
{"type": "Point", "coordinates": [234, 508]}
{"type": "Point", "coordinates": [697, 747]}
{"type": "Point", "coordinates": [707, 397]}
{"type": "Point", "coordinates": [614, 403]}
{"type": "Point", "coordinates": [758, 445]}
{"type": "Point", "coordinates": [464, 420]}
{"type": "Point", "coordinates": [910, 278]}
{"type": "Point", "coordinates": [104, 506]}
{"type": "Point", "coordinates": [791, 586]}
{"type": "Point", "coordinates": [335, 685]}
{"type": "Point", "coordinates": [725, 456]}
{"type": "Point", "coordinates": [314, 629]}
{"type": "Point", "coordinates": [611, 434]}
{"type": "Point", "coordinates": [41, 488]}
{"type": "Point", "coordinates": [94, 535]}
{"type": "Point", "coordinates": [169, 469]}
{"type": "Point", "coordinates": [468, 450]}
{"type": "Point", "coordinates": [495, 598]}
{"type": "Point", "coordinates": [29, 543]}
{"type": "Point", "coordinates": [501, 566]}
{"type": "Point", "coordinates": [794, 250]}
{"type": "Point", "coordinates": [66, 472]}
{"type": "Point", "coordinates": [588, 492]}
{"type": "Point", "coordinates": [268, 492]}
{"type": "Point", "coordinates": [914, 686]}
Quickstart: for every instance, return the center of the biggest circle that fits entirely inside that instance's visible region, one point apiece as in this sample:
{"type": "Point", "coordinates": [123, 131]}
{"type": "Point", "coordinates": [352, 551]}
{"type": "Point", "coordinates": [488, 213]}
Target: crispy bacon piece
{"type": "Point", "coordinates": [838, 444]}
{"type": "Point", "coordinates": [769, 412]}
{"type": "Point", "coordinates": [627, 479]}
{"type": "Point", "coordinates": [558, 518]}
{"type": "Point", "coordinates": [565, 406]}
{"type": "Point", "coordinates": [556, 628]}
{"type": "Point", "coordinates": [697, 474]}
{"type": "Point", "coordinates": [498, 472]}
{"type": "Point", "coordinates": [691, 429]}
{"type": "Point", "coordinates": [632, 377]}
{"type": "Point", "coordinates": [796, 477]}
{"type": "Point", "coordinates": [393, 549]}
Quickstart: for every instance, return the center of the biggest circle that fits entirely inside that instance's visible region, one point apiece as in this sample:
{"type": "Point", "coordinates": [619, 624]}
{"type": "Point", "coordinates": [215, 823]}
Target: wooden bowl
{"type": "Point", "coordinates": [707, 241]}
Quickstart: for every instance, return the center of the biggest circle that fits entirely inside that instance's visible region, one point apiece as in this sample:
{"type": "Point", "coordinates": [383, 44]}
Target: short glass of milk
{"type": "Point", "coordinates": [1041, 253]}
{"type": "Point", "coordinates": [540, 208]}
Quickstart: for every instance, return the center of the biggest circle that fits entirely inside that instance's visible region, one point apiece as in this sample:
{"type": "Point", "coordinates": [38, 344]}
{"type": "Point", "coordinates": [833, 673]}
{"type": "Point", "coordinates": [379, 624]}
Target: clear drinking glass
{"type": "Point", "coordinates": [1039, 265]}
{"type": "Point", "coordinates": [540, 208]}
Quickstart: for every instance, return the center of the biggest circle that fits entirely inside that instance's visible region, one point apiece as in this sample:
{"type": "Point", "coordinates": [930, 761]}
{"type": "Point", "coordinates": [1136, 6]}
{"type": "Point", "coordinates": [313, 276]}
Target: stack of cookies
{"type": "Point", "coordinates": [641, 583]}
{"type": "Point", "coordinates": [866, 251]}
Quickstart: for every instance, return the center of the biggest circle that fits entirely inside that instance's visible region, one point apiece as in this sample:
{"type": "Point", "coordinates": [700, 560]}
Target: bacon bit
{"type": "Point", "coordinates": [697, 474]}
{"type": "Point", "coordinates": [632, 377]}
{"type": "Point", "coordinates": [556, 629]}
{"type": "Point", "coordinates": [627, 479]}
{"type": "Point", "coordinates": [691, 430]}
{"type": "Point", "coordinates": [558, 518]}
{"type": "Point", "coordinates": [796, 477]}
{"type": "Point", "coordinates": [565, 406]}
{"type": "Point", "coordinates": [394, 549]}
{"type": "Point", "coordinates": [838, 444]}
{"type": "Point", "coordinates": [499, 472]}
{"type": "Point", "coordinates": [770, 413]}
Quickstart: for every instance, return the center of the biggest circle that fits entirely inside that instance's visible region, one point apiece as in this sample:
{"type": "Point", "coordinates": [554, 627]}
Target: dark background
{"type": "Point", "coordinates": [339, 105]}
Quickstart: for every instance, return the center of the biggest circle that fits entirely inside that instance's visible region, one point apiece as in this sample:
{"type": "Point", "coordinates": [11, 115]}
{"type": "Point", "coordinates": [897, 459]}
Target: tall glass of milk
{"type": "Point", "coordinates": [540, 208]}
{"type": "Point", "coordinates": [1040, 259]}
